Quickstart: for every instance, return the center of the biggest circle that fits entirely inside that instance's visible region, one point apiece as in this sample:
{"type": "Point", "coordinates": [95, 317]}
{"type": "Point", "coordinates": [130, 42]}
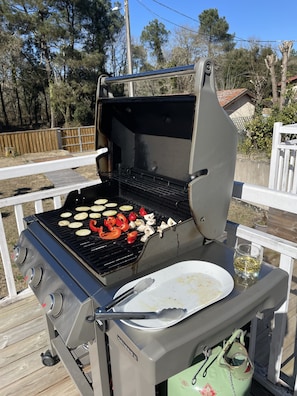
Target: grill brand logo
{"type": "Point", "coordinates": [128, 349]}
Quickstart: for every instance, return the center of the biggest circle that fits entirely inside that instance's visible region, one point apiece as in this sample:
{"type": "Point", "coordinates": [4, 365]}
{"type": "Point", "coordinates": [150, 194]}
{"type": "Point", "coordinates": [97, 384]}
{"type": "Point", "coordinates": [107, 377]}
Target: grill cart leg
{"type": "Point", "coordinates": [73, 369]}
{"type": "Point", "coordinates": [99, 363]}
{"type": "Point", "coordinates": [128, 379]}
{"type": "Point", "coordinates": [50, 357]}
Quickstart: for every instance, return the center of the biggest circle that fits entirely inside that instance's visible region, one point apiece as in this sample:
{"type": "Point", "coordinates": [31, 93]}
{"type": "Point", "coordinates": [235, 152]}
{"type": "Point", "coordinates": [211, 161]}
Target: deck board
{"type": "Point", "coordinates": [23, 338]}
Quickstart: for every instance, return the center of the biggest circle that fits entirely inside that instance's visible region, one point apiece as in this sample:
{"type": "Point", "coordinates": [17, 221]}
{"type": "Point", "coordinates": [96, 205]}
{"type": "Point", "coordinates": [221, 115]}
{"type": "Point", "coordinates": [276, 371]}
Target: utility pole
{"type": "Point", "coordinates": [129, 53]}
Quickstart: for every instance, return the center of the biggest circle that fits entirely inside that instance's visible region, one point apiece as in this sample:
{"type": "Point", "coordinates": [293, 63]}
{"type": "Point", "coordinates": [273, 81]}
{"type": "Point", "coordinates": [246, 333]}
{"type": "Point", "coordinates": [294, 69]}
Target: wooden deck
{"type": "Point", "coordinates": [23, 338]}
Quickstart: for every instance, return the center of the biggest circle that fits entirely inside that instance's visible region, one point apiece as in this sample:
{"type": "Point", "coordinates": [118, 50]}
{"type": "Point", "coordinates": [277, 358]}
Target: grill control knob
{"type": "Point", "coordinates": [33, 276]}
{"type": "Point", "coordinates": [53, 303]}
{"type": "Point", "coordinates": [19, 254]}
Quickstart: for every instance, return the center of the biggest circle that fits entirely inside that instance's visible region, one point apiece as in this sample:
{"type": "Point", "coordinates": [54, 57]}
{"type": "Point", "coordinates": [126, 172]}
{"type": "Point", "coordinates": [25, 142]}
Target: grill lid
{"type": "Point", "coordinates": [189, 138]}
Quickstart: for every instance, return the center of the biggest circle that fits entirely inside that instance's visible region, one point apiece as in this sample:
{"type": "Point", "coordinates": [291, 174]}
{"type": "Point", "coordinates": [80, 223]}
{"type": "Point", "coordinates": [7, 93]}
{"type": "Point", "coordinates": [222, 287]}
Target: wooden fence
{"type": "Point", "coordinates": [78, 139]}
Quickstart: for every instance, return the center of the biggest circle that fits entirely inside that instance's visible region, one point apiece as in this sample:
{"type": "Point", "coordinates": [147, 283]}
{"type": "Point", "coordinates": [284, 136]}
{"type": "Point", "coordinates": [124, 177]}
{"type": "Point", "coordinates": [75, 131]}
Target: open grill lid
{"type": "Point", "coordinates": [189, 138]}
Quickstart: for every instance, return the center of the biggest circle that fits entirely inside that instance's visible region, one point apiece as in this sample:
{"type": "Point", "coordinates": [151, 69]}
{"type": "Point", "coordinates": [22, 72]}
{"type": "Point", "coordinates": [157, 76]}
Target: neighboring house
{"type": "Point", "coordinates": [291, 83]}
{"type": "Point", "coordinates": [238, 104]}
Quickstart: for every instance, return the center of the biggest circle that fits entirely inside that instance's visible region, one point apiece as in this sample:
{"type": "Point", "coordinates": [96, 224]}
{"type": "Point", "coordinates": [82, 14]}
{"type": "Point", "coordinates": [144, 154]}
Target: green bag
{"type": "Point", "coordinates": [225, 371]}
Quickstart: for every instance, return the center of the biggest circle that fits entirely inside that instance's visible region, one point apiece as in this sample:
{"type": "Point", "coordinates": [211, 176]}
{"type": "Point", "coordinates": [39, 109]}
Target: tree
{"type": "Point", "coordinates": [185, 48]}
{"type": "Point", "coordinates": [155, 36]}
{"type": "Point", "coordinates": [285, 49]}
{"type": "Point", "coordinates": [214, 30]}
{"type": "Point", "coordinates": [270, 62]}
{"type": "Point", "coordinates": [65, 42]}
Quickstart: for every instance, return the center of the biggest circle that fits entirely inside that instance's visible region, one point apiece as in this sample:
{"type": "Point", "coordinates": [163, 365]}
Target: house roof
{"type": "Point", "coordinates": [229, 96]}
{"type": "Point", "coordinates": [289, 80]}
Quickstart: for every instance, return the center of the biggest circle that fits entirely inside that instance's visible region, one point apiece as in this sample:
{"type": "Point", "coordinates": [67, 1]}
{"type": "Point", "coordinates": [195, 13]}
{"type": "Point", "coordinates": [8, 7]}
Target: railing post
{"type": "Point", "coordinates": [79, 139]}
{"type": "Point", "coordinates": [280, 324]}
{"type": "Point", "coordinates": [274, 161]}
{"type": "Point", "coordinates": [6, 262]}
{"type": "Point", "coordinates": [59, 138]}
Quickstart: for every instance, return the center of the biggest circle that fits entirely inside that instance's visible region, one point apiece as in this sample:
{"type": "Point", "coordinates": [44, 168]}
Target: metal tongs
{"type": "Point", "coordinates": [133, 291]}
{"type": "Point", "coordinates": [164, 314]}
{"type": "Point", "coordinates": [104, 313]}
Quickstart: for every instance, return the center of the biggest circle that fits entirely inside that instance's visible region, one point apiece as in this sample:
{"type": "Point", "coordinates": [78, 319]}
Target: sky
{"type": "Point", "coordinates": [270, 22]}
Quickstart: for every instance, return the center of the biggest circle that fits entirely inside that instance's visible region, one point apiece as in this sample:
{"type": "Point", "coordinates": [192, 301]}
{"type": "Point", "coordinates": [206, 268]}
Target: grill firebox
{"type": "Point", "coordinates": [166, 199]}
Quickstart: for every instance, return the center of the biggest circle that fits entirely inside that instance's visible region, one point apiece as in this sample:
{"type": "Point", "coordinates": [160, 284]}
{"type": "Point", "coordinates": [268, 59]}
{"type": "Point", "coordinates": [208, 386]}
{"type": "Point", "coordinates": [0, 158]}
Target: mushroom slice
{"type": "Point", "coordinates": [149, 216]}
{"type": "Point", "coordinates": [139, 222]}
{"type": "Point", "coordinates": [148, 230]}
{"type": "Point", "coordinates": [162, 226]}
{"type": "Point", "coordinates": [144, 238]}
{"type": "Point", "coordinates": [151, 222]}
{"type": "Point", "coordinates": [171, 222]}
{"type": "Point", "coordinates": [141, 228]}
{"type": "Point", "coordinates": [132, 225]}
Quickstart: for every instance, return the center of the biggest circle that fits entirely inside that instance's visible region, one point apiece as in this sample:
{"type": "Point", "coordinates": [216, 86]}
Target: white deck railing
{"type": "Point", "coordinates": [37, 197]}
{"type": "Point", "coordinates": [248, 193]}
{"type": "Point", "coordinates": [283, 164]}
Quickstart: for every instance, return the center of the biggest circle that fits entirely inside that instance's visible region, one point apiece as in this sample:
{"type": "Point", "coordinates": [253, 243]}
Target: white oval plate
{"type": "Point", "coordinates": [193, 285]}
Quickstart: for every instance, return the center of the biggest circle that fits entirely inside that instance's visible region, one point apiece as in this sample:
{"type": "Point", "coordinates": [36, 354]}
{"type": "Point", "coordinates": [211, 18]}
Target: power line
{"type": "Point", "coordinates": [164, 19]}
{"type": "Point", "coordinates": [238, 39]}
{"type": "Point", "coordinates": [174, 10]}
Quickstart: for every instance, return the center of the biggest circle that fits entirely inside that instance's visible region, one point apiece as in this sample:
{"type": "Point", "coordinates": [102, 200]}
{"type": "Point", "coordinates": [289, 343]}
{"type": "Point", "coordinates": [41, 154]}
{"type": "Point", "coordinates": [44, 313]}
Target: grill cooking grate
{"type": "Point", "coordinates": [158, 196]}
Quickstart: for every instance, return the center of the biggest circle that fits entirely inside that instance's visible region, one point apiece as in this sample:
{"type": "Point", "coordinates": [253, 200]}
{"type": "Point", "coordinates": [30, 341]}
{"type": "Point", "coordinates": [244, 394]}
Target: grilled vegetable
{"type": "Point", "coordinates": [75, 224]}
{"type": "Point", "coordinates": [126, 208]}
{"type": "Point", "coordinates": [131, 237]}
{"type": "Point", "coordinates": [93, 227]}
{"type": "Point", "coordinates": [122, 222]}
{"type": "Point", "coordinates": [114, 234]}
{"type": "Point", "coordinates": [132, 216]}
{"type": "Point", "coordinates": [65, 215]}
{"type": "Point", "coordinates": [110, 223]}
{"type": "Point", "coordinates": [82, 232]}
{"type": "Point", "coordinates": [142, 211]}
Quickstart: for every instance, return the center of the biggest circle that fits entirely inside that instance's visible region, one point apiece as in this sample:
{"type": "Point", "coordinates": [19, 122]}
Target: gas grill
{"type": "Point", "coordinates": [173, 155]}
